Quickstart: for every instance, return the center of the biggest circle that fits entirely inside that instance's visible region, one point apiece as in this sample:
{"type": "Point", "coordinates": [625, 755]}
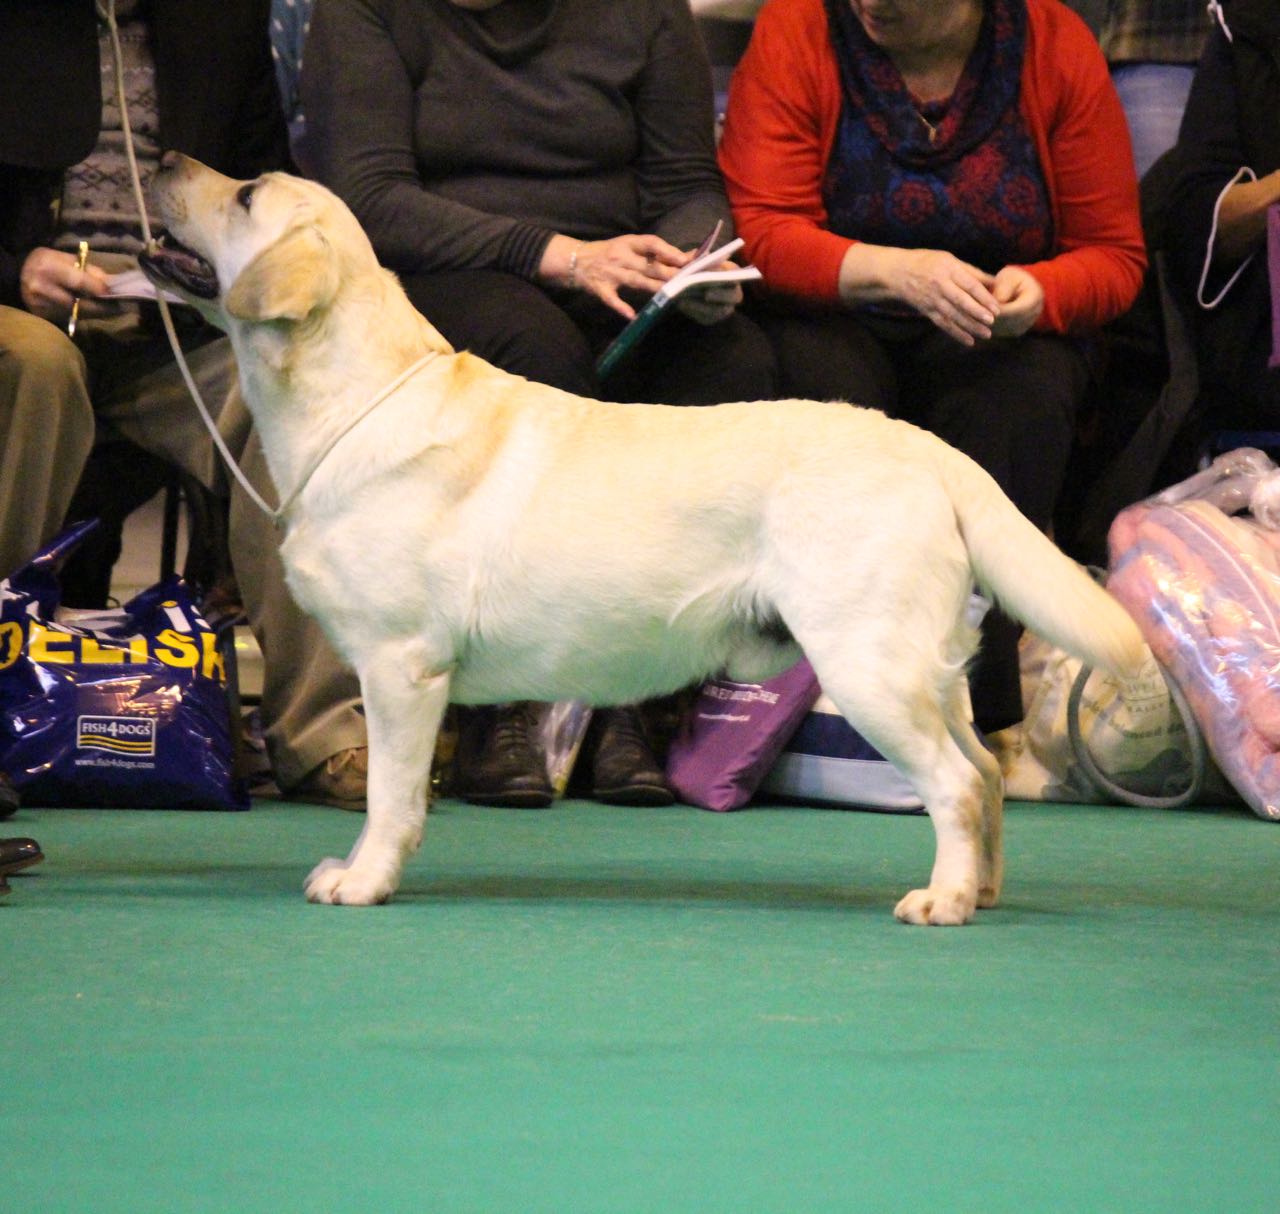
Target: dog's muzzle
{"type": "Point", "coordinates": [168, 262]}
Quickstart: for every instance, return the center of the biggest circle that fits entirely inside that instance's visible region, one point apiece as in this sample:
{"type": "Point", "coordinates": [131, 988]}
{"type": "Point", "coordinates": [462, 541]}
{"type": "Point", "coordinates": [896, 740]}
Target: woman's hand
{"type": "Point", "coordinates": [1242, 217]}
{"type": "Point", "coordinates": [954, 295]}
{"type": "Point", "coordinates": [1021, 300]}
{"type": "Point", "coordinates": [710, 304]}
{"type": "Point", "coordinates": [50, 282]}
{"type": "Point", "coordinates": [605, 267]}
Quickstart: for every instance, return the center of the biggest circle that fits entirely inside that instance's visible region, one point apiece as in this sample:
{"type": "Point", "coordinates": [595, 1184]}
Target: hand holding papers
{"type": "Point", "coordinates": [704, 268]}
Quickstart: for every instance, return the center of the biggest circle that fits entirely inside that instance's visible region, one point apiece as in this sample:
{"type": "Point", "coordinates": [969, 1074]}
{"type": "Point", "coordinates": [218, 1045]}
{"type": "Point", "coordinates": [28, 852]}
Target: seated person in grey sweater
{"type": "Point", "coordinates": [534, 170]}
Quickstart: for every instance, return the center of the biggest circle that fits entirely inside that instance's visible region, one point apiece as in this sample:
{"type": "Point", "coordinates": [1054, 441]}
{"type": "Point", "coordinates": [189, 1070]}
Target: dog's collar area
{"type": "Point", "coordinates": [280, 515]}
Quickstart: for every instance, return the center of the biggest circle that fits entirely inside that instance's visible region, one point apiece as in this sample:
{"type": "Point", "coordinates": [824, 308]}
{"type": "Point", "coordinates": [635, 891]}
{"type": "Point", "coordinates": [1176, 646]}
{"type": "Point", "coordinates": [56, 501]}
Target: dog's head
{"type": "Point", "coordinates": [273, 249]}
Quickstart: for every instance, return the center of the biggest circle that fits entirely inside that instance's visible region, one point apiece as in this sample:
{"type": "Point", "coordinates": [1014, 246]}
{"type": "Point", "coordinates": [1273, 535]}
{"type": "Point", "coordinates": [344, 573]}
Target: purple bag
{"type": "Point", "coordinates": [130, 707]}
{"type": "Point", "coordinates": [732, 735]}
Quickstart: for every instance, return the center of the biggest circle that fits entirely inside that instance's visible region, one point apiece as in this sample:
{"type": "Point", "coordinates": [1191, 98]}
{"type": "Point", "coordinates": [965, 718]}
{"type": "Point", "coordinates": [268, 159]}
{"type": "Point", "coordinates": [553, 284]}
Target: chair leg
{"type": "Point", "coordinates": [169, 526]}
{"type": "Point", "coordinates": [117, 479]}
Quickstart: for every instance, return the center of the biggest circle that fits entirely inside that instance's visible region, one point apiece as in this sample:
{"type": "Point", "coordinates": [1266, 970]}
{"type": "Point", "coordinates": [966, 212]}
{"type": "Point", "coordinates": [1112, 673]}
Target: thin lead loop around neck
{"type": "Point", "coordinates": [135, 179]}
{"type": "Point", "coordinates": [276, 514]}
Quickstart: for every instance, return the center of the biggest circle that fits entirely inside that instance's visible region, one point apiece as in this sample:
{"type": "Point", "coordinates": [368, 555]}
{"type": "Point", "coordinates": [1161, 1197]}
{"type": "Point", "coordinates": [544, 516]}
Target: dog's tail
{"type": "Point", "coordinates": [1034, 581]}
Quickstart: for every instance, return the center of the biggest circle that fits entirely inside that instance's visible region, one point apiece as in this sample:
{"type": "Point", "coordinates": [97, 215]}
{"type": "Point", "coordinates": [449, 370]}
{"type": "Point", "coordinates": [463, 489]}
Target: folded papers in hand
{"type": "Point", "coordinates": [134, 284]}
{"type": "Point", "coordinates": [704, 269]}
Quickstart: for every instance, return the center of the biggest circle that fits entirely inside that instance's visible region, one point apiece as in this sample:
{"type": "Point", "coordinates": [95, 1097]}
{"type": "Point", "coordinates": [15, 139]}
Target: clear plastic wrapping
{"type": "Point", "coordinates": [1203, 583]}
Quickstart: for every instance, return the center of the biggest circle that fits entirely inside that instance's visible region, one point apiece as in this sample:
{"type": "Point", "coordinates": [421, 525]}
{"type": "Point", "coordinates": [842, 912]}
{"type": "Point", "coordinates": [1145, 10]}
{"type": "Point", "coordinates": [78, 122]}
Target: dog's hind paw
{"type": "Point", "coordinates": [936, 907]}
{"type": "Point", "coordinates": [340, 884]}
{"type": "Point", "coordinates": [988, 896]}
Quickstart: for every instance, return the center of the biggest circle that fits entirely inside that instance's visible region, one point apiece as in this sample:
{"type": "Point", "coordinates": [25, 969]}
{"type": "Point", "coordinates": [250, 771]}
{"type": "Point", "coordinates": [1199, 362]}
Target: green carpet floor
{"type": "Point", "coordinates": [594, 1009]}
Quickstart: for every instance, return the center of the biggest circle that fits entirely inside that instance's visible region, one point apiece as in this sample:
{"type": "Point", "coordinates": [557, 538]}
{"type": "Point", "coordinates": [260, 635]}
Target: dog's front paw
{"type": "Point", "coordinates": [339, 883]}
{"type": "Point", "coordinates": [936, 907]}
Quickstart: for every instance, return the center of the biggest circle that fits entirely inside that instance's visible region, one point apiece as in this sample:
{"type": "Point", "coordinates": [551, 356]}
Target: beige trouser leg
{"type": "Point", "coordinates": [47, 426]}
{"type": "Point", "coordinates": [310, 698]}
{"type": "Point", "coordinates": [46, 432]}
{"type": "Point", "coordinates": [310, 701]}
{"type": "Point", "coordinates": [139, 393]}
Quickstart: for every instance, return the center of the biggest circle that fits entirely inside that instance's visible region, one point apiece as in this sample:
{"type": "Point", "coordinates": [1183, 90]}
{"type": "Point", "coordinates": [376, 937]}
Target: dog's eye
{"type": "Point", "coordinates": [244, 195]}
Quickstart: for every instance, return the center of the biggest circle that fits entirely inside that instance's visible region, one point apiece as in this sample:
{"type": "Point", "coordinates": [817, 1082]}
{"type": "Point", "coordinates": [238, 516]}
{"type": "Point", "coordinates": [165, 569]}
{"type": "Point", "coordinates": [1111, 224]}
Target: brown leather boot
{"type": "Point", "coordinates": [621, 767]}
{"type": "Point", "coordinates": [341, 780]}
{"type": "Point", "coordinates": [17, 854]}
{"type": "Point", "coordinates": [499, 760]}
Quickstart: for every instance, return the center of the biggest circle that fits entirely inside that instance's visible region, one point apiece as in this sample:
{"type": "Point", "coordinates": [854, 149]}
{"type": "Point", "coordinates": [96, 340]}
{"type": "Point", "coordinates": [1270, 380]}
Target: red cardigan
{"type": "Point", "coordinates": [784, 107]}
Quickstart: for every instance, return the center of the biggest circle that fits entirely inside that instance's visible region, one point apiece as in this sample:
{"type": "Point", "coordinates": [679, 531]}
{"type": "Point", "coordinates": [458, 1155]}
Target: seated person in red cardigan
{"type": "Point", "coordinates": [942, 200]}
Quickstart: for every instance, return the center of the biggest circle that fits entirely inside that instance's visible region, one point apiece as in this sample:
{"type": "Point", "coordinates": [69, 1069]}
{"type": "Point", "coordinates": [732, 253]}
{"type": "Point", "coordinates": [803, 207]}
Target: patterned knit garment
{"type": "Point", "coordinates": [97, 200]}
{"type": "Point", "coordinates": [962, 175]}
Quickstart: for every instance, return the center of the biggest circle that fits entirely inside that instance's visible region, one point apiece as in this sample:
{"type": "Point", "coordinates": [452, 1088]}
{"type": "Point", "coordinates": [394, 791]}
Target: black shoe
{"type": "Point", "coordinates": [8, 797]}
{"type": "Point", "coordinates": [17, 854]}
{"type": "Point", "coordinates": [622, 767]}
{"type": "Point", "coordinates": [499, 761]}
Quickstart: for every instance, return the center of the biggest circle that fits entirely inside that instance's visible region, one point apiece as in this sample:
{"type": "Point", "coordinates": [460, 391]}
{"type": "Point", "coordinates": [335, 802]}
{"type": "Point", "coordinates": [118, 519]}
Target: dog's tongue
{"type": "Point", "coordinates": [169, 262]}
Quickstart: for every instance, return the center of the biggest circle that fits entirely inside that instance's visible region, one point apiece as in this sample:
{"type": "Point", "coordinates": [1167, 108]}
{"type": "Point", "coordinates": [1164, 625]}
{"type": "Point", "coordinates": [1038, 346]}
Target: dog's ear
{"type": "Point", "coordinates": [287, 281]}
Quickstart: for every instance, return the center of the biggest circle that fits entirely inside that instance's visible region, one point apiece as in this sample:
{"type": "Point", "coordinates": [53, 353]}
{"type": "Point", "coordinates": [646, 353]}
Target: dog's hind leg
{"type": "Point", "coordinates": [403, 715]}
{"type": "Point", "coordinates": [902, 704]}
{"type": "Point", "coordinates": [951, 788]}
{"type": "Point", "coordinates": [991, 857]}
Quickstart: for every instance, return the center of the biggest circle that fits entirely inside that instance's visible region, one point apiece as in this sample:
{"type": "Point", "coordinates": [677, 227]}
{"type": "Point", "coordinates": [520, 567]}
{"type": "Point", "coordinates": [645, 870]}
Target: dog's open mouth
{"type": "Point", "coordinates": [168, 262]}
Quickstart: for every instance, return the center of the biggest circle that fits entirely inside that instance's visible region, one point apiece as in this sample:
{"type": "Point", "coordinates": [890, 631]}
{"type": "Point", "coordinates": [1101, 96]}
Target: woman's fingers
{"type": "Point", "coordinates": [711, 304]}
{"type": "Point", "coordinates": [50, 282]}
{"type": "Point", "coordinates": [633, 262]}
{"type": "Point", "coordinates": [954, 295]}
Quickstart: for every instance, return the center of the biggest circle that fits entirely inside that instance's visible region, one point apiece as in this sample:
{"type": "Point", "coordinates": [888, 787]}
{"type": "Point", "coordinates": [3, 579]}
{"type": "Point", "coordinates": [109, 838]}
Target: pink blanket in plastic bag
{"type": "Point", "coordinates": [1204, 588]}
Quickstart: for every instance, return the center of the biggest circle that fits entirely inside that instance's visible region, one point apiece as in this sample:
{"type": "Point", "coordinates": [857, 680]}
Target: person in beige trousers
{"type": "Point", "coordinates": [64, 178]}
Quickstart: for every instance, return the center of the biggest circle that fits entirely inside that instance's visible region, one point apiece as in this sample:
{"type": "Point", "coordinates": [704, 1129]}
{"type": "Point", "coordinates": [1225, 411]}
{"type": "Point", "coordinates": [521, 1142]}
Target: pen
{"type": "Point", "coordinates": [81, 258]}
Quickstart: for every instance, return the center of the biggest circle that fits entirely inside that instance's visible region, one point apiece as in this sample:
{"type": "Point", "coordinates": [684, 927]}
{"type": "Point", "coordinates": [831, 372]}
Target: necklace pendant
{"type": "Point", "coordinates": [930, 129]}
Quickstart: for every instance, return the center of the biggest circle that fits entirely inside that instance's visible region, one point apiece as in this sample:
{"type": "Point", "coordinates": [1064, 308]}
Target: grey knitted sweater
{"type": "Point", "coordinates": [466, 140]}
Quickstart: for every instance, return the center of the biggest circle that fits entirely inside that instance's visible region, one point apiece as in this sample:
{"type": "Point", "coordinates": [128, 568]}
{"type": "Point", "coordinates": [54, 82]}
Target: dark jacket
{"type": "Point", "coordinates": [1232, 120]}
{"type": "Point", "coordinates": [216, 93]}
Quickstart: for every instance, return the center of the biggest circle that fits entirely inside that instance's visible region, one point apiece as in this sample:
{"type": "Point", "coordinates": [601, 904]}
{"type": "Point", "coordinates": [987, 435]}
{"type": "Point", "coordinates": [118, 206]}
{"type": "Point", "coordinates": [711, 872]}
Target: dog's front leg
{"type": "Point", "coordinates": [403, 715]}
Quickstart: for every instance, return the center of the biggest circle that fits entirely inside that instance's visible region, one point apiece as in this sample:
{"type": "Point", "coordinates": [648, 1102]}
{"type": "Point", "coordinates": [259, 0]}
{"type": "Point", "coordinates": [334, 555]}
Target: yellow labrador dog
{"type": "Point", "coordinates": [463, 534]}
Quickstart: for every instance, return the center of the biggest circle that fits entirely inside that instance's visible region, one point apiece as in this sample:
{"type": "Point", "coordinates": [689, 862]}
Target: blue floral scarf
{"type": "Point", "coordinates": [961, 175]}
